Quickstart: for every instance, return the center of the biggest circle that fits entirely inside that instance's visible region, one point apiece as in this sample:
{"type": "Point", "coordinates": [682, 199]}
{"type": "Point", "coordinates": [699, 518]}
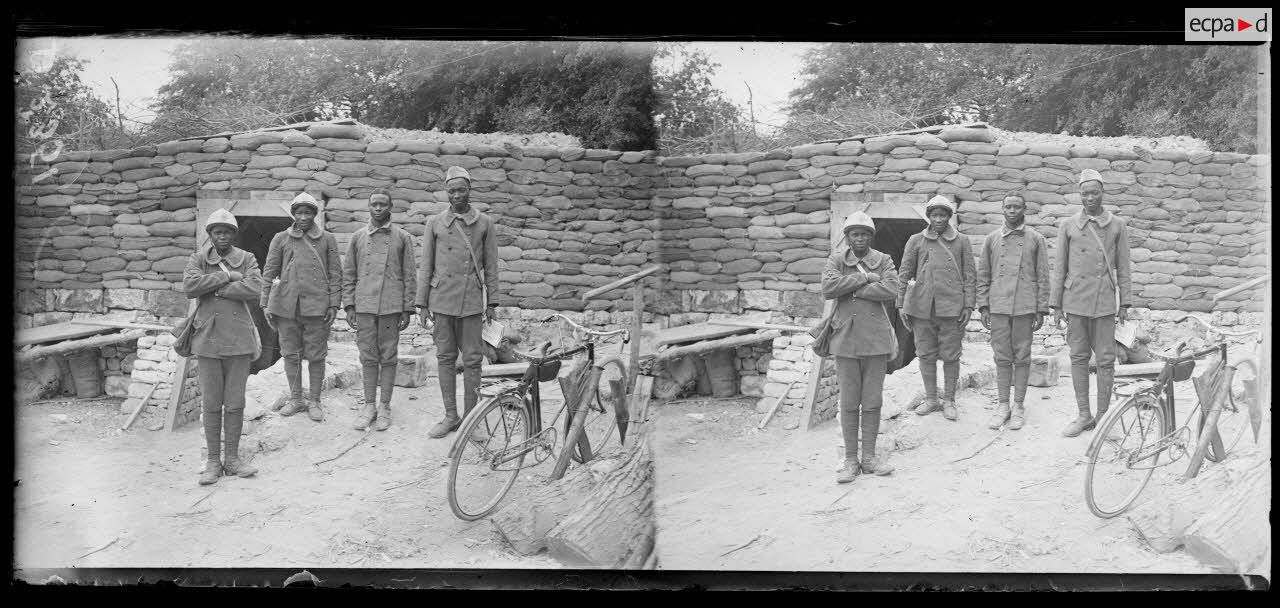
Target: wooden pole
{"type": "Point", "coordinates": [175, 395]}
{"type": "Point", "coordinates": [123, 325]}
{"type": "Point", "coordinates": [776, 404]}
{"type": "Point", "coordinates": [62, 348]}
{"type": "Point", "coordinates": [138, 410]}
{"type": "Point", "coordinates": [637, 311]}
{"type": "Point", "coordinates": [620, 282]}
{"type": "Point", "coordinates": [760, 325]}
{"type": "Point", "coordinates": [710, 345]}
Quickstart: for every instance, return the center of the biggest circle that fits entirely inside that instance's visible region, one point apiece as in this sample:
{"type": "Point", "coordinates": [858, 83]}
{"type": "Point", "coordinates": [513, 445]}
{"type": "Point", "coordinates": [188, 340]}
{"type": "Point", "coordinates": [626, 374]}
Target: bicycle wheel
{"type": "Point", "coordinates": [481, 473]}
{"type": "Point", "coordinates": [1112, 482]}
{"type": "Point", "coordinates": [1233, 423]}
{"type": "Point", "coordinates": [601, 425]}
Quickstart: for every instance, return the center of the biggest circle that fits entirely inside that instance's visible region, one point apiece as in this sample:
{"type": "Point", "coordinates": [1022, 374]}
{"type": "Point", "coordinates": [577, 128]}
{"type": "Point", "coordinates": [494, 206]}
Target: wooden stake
{"type": "Point", "coordinates": [137, 410]}
{"type": "Point", "coordinates": [637, 310]}
{"type": "Point", "coordinates": [760, 325]}
{"type": "Point", "coordinates": [123, 325]}
{"type": "Point", "coordinates": [179, 383]}
{"type": "Point", "coordinates": [776, 404]}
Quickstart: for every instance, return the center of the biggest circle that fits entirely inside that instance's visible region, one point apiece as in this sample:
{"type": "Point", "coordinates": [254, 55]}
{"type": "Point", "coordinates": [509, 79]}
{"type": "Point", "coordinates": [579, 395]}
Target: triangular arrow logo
{"type": "Point", "coordinates": [1242, 25]}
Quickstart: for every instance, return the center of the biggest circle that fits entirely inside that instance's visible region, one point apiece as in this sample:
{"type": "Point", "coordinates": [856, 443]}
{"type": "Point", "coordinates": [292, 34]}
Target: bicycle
{"type": "Point", "coordinates": [1128, 444]}
{"type": "Point", "coordinates": [506, 428]}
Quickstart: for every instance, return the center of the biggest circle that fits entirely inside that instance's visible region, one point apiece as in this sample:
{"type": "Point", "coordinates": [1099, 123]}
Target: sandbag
{"type": "Point", "coordinates": [85, 373]}
{"type": "Point", "coordinates": [721, 374]}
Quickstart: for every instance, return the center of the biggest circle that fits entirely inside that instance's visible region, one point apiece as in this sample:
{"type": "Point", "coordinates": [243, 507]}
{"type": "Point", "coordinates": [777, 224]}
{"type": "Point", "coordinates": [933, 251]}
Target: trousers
{"type": "Point", "coordinates": [304, 337]}
{"type": "Point", "coordinates": [861, 381]}
{"type": "Point", "coordinates": [453, 334]}
{"type": "Point", "coordinates": [937, 338]}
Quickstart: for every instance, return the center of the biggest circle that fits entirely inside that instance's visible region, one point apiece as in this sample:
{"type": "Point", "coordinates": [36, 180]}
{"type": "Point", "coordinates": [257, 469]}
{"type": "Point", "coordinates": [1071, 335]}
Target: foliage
{"type": "Point", "coordinates": [55, 107]}
{"type": "Point", "coordinates": [692, 115]}
{"type": "Point", "coordinates": [600, 92]}
{"type": "Point", "coordinates": [1208, 92]}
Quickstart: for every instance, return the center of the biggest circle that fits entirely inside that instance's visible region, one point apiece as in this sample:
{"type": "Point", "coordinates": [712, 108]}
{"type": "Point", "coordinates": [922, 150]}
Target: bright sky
{"type": "Point", "coordinates": [138, 66]}
{"type": "Point", "coordinates": [770, 68]}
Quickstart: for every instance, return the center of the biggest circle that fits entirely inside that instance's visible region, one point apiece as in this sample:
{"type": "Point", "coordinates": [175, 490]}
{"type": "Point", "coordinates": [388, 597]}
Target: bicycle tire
{"type": "Point", "coordinates": [1151, 431]}
{"type": "Point", "coordinates": [1232, 425]}
{"type": "Point", "coordinates": [458, 454]}
{"type": "Point", "coordinates": [602, 425]}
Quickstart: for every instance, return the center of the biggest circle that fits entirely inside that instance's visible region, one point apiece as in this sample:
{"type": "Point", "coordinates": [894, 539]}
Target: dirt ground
{"type": "Point", "coordinates": [90, 495]}
{"type": "Point", "coordinates": [734, 498]}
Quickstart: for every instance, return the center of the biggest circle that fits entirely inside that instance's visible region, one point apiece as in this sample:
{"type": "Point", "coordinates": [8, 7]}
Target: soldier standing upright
{"type": "Point", "coordinates": [303, 276]}
{"type": "Point", "coordinates": [937, 296]}
{"type": "Point", "coordinates": [1013, 299]}
{"type": "Point", "coordinates": [378, 277]}
{"type": "Point", "coordinates": [1091, 288]}
{"type": "Point", "coordinates": [457, 289]}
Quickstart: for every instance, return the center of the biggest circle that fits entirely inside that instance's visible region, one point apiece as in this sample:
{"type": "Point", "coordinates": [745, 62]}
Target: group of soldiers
{"type": "Point", "coordinates": [1012, 288]}
{"type": "Point", "coordinates": [379, 284]}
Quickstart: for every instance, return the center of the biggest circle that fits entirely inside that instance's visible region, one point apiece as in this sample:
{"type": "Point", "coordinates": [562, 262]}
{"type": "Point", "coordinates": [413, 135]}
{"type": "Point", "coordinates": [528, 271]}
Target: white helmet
{"type": "Point", "coordinates": [221, 217]}
{"type": "Point", "coordinates": [858, 218]}
{"type": "Point", "coordinates": [942, 202]}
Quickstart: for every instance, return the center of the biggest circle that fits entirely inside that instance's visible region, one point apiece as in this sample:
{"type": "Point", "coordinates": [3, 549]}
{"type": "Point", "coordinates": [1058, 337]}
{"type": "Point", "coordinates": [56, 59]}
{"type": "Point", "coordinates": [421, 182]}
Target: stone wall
{"type": "Point", "coordinates": [737, 234]}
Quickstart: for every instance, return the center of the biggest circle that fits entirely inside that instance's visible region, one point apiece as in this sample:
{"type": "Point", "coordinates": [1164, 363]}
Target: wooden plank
{"type": "Point", "coordinates": [179, 386]}
{"type": "Point", "coordinates": [776, 404]}
{"type": "Point", "coordinates": [56, 333]}
{"type": "Point", "coordinates": [620, 282]}
{"type": "Point", "coordinates": [760, 325]}
{"type": "Point", "coordinates": [639, 408]}
{"type": "Point", "coordinates": [710, 345]}
{"type": "Point", "coordinates": [811, 394]}
{"type": "Point", "coordinates": [1139, 369]}
{"type": "Point", "coordinates": [693, 332]}
{"type": "Point", "coordinates": [495, 370]}
{"type": "Point", "coordinates": [637, 311]}
{"type": "Point", "coordinates": [69, 346]}
{"type": "Point", "coordinates": [138, 410]}
{"type": "Point", "coordinates": [124, 325]}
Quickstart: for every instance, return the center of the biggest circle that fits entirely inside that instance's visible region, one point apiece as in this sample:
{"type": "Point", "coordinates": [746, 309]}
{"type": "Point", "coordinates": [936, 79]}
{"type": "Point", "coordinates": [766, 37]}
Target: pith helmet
{"type": "Point", "coordinates": [858, 218]}
{"type": "Point", "coordinates": [221, 217]}
{"type": "Point", "coordinates": [940, 201]}
{"type": "Point", "coordinates": [304, 199]}
{"type": "Point", "coordinates": [1090, 175]}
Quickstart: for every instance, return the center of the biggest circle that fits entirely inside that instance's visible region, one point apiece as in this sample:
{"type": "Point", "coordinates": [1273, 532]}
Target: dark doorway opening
{"type": "Point", "coordinates": [255, 236]}
{"type": "Point", "coordinates": [891, 238]}
{"type": "Point", "coordinates": [256, 232]}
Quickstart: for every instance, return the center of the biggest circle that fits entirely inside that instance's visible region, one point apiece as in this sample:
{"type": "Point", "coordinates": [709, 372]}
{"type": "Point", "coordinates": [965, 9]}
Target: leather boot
{"type": "Point", "coordinates": [950, 377]}
{"type": "Point", "coordinates": [367, 414]}
{"type": "Point", "coordinates": [872, 463]}
{"type": "Point", "coordinates": [293, 373]}
{"type": "Point", "coordinates": [315, 371]}
{"type": "Point", "coordinates": [386, 380]}
{"type": "Point", "coordinates": [848, 471]}
{"type": "Point", "coordinates": [928, 374]}
{"type": "Point", "coordinates": [1004, 376]}
{"type": "Point", "coordinates": [1021, 374]}
{"type": "Point", "coordinates": [1080, 383]}
{"type": "Point", "coordinates": [233, 465]}
{"type": "Point", "coordinates": [449, 392]}
{"type": "Point", "coordinates": [213, 444]}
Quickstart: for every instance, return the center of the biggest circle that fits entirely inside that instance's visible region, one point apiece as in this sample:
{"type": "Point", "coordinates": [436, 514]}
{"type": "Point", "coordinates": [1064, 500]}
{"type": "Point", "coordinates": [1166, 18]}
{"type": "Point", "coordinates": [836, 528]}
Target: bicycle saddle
{"type": "Point", "coordinates": [546, 370]}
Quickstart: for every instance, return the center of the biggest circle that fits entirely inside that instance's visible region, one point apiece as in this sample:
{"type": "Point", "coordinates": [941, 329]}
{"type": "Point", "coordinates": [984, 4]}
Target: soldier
{"type": "Point", "coordinates": [223, 279]}
{"type": "Point", "coordinates": [303, 276]}
{"type": "Point", "coordinates": [936, 299]}
{"type": "Point", "coordinates": [862, 281]}
{"type": "Point", "coordinates": [1091, 288]}
{"type": "Point", "coordinates": [1013, 299]}
{"type": "Point", "coordinates": [377, 293]}
{"type": "Point", "coordinates": [457, 290]}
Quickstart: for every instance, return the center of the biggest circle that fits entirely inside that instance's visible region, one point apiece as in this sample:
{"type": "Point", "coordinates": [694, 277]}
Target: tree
{"type": "Point", "coordinates": [1208, 92]}
{"type": "Point", "coordinates": [600, 92]}
{"type": "Point", "coordinates": [692, 115]}
{"type": "Point", "coordinates": [56, 109]}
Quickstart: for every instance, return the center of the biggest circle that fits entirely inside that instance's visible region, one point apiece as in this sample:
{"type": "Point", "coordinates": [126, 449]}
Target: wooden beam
{"type": "Point", "coordinates": [54, 333]}
{"type": "Point", "coordinates": [760, 325]}
{"type": "Point", "coordinates": [124, 325]}
{"type": "Point", "coordinates": [776, 404]}
{"type": "Point", "coordinates": [710, 345]}
{"type": "Point", "coordinates": [620, 282]}
{"type": "Point", "coordinates": [138, 410]}
{"type": "Point", "coordinates": [637, 312]}
{"type": "Point", "coordinates": [693, 332]}
{"type": "Point", "coordinates": [639, 409]}
{"type": "Point", "coordinates": [62, 348]}
{"type": "Point", "coordinates": [1241, 287]}
{"type": "Point", "coordinates": [811, 394]}
{"type": "Point", "coordinates": [1138, 369]}
{"type": "Point", "coordinates": [179, 383]}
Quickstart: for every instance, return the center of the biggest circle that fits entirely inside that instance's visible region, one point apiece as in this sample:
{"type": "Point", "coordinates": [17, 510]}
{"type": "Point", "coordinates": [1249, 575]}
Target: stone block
{"type": "Point", "coordinates": [1044, 371]}
{"type": "Point", "coordinates": [412, 369]}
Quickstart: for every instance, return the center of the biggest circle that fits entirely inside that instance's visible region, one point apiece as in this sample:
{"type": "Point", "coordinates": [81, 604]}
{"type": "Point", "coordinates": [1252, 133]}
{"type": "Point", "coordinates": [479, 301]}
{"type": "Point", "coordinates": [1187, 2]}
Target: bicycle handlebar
{"type": "Point", "coordinates": [585, 330]}
{"type": "Point", "coordinates": [1218, 330]}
